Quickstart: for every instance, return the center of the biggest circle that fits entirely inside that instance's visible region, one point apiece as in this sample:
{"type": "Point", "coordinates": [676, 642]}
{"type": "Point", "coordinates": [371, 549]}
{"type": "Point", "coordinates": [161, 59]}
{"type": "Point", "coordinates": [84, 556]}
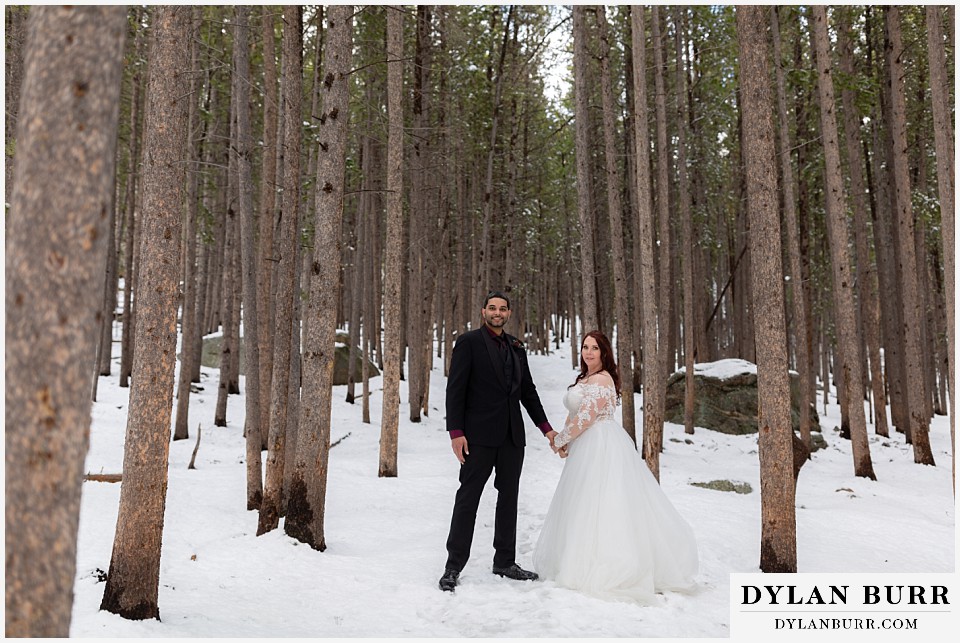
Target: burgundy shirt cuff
{"type": "Point", "coordinates": [455, 433]}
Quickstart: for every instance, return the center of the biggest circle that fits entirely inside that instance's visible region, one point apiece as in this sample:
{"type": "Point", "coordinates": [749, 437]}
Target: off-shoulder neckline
{"type": "Point", "coordinates": [605, 382]}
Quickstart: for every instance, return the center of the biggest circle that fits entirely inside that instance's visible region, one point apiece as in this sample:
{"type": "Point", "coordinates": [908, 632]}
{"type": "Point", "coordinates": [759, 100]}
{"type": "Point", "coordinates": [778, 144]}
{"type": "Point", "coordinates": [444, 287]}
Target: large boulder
{"type": "Point", "coordinates": [341, 358]}
{"type": "Point", "coordinates": [725, 397]}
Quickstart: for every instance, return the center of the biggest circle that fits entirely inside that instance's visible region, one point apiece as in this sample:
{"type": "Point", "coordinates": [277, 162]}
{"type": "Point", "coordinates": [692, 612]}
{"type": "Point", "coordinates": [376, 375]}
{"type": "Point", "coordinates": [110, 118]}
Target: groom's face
{"type": "Point", "coordinates": [496, 313]}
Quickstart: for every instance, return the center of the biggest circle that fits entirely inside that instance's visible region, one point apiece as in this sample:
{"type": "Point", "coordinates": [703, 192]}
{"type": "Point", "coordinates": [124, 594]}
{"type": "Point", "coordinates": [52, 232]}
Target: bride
{"type": "Point", "coordinates": [610, 531]}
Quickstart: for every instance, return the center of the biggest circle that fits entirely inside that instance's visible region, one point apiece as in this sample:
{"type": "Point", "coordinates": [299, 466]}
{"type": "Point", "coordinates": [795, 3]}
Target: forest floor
{"type": "Point", "coordinates": [385, 537]}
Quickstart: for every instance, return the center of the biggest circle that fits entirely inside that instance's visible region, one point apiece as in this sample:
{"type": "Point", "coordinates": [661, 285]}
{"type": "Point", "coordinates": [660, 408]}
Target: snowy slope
{"type": "Point", "coordinates": [385, 537]}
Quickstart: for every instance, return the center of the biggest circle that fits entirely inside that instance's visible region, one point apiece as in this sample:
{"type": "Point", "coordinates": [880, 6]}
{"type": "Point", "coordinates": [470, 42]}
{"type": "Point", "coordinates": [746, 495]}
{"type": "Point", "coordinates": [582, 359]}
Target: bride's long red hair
{"type": "Point", "coordinates": [606, 359]}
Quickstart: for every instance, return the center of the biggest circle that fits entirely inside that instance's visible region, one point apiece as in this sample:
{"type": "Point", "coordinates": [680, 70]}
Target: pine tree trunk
{"type": "Point", "coordinates": [251, 320]}
{"type": "Point", "coordinates": [484, 278]}
{"type": "Point", "coordinates": [188, 326]}
{"type": "Point", "coordinates": [419, 217]}
{"type": "Point", "coordinates": [105, 344]}
{"type": "Point", "coordinates": [866, 273]}
{"type": "Point", "coordinates": [844, 307]}
{"type": "Point", "coordinates": [131, 236]}
{"type": "Point", "coordinates": [233, 384]}
{"type": "Point", "coordinates": [287, 242]}
{"type": "Point", "coordinates": [621, 287]}
{"type": "Point", "coordinates": [203, 270]}
{"type": "Point", "coordinates": [370, 315]}
{"type": "Point", "coordinates": [299, 327]}
{"type": "Point", "coordinates": [943, 141]}
{"type": "Point", "coordinates": [305, 511]}
{"type": "Point", "coordinates": [393, 263]}
{"type": "Point", "coordinates": [801, 104]}
{"type": "Point", "coordinates": [927, 364]}
{"type": "Point", "coordinates": [133, 579]}
{"type": "Point", "coordinates": [912, 313]}
{"type": "Point", "coordinates": [228, 343]}
{"type": "Point", "coordinates": [630, 172]}
{"type": "Point", "coordinates": [685, 215]}
{"type": "Point", "coordinates": [588, 269]}
{"type": "Point", "coordinates": [665, 359]}
{"type": "Point", "coordinates": [778, 541]}
{"type": "Point", "coordinates": [56, 248]}
{"type": "Point", "coordinates": [886, 252]}
{"type": "Point", "coordinates": [217, 202]}
{"type": "Point", "coordinates": [653, 384]}
{"type": "Point", "coordinates": [799, 303]}
{"type": "Point", "coordinates": [268, 192]}
{"type": "Point", "coordinates": [360, 249]}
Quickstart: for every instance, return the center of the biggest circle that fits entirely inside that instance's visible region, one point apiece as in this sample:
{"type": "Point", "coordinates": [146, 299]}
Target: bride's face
{"type": "Point", "coordinates": [590, 353]}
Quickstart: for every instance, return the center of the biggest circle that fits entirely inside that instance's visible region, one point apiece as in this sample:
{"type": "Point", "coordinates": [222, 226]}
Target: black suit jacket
{"type": "Point", "coordinates": [480, 401]}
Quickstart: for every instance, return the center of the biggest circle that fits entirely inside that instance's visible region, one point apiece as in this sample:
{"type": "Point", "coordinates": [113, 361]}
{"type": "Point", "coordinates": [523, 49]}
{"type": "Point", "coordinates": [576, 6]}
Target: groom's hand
{"type": "Point", "coordinates": [460, 448]}
{"type": "Point", "coordinates": [550, 436]}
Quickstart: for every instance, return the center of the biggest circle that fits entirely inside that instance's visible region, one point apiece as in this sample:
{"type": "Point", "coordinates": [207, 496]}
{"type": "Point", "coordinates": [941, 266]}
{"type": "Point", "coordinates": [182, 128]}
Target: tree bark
{"type": "Point", "coordinates": [653, 384]}
{"type": "Point", "coordinates": [482, 246]}
{"type": "Point", "coordinates": [665, 358]}
{"type": "Point", "coordinates": [229, 344]}
{"type": "Point", "coordinates": [393, 263]}
{"type": "Point", "coordinates": [268, 195]}
{"type": "Point", "coordinates": [621, 287]}
{"type": "Point", "coordinates": [131, 234]}
{"type": "Point", "coordinates": [358, 260]}
{"type": "Point", "coordinates": [866, 274]}
{"type": "Point", "coordinates": [590, 320]}
{"type": "Point", "coordinates": [308, 489]}
{"type": "Point", "coordinates": [56, 248]}
{"type": "Point", "coordinates": [133, 579]}
{"type": "Point", "coordinates": [105, 344]}
{"type": "Point", "coordinates": [887, 259]}
{"type": "Point", "coordinates": [798, 299]}
{"type": "Point", "coordinates": [912, 314]}
{"type": "Point", "coordinates": [685, 214]}
{"type": "Point", "coordinates": [850, 362]}
{"type": "Point", "coordinates": [421, 222]}
{"type": "Point", "coordinates": [251, 320]}
{"type": "Point", "coordinates": [188, 325]}
{"type": "Point", "coordinates": [778, 544]}
{"type": "Point", "coordinates": [16, 21]}
{"type": "Point", "coordinates": [270, 508]}
{"type": "Point", "coordinates": [943, 141]}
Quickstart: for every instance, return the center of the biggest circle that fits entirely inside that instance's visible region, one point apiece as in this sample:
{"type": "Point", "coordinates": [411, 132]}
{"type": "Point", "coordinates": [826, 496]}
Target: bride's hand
{"type": "Point", "coordinates": [562, 452]}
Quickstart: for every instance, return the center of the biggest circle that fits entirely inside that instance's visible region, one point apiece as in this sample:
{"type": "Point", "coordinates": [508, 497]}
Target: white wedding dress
{"type": "Point", "coordinates": [610, 531]}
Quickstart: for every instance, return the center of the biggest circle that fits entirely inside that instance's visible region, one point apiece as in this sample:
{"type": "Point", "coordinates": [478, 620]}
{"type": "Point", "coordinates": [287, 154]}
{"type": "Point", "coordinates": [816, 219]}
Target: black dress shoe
{"type": "Point", "coordinates": [449, 580]}
{"type": "Point", "coordinates": [515, 572]}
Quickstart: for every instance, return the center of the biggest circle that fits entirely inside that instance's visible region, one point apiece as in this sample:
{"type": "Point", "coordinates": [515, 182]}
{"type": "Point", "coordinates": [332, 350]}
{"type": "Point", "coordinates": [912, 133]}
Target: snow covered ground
{"type": "Point", "coordinates": [385, 537]}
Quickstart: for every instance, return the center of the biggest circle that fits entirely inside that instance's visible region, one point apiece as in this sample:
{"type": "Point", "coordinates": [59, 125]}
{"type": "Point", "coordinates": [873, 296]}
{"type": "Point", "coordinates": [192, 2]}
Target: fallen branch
{"type": "Point", "coordinates": [193, 458]}
{"type": "Point", "coordinates": [103, 477]}
{"type": "Point", "coordinates": [340, 440]}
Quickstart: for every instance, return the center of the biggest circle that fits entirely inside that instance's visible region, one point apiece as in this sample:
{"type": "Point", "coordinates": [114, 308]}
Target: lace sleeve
{"type": "Point", "coordinates": [598, 401]}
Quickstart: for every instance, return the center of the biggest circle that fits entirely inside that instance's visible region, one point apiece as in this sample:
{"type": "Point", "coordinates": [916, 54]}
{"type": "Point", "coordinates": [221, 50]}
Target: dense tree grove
{"type": "Point", "coordinates": [366, 174]}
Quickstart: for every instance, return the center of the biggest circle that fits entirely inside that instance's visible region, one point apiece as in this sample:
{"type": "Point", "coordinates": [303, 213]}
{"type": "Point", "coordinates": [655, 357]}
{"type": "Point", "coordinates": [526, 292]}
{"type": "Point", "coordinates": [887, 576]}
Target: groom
{"type": "Point", "coordinates": [489, 380]}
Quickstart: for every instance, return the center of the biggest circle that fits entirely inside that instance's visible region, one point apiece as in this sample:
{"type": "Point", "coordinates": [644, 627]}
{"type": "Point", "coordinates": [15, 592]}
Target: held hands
{"type": "Point", "coordinates": [460, 448]}
{"type": "Point", "coordinates": [550, 436]}
{"type": "Point", "coordinates": [561, 451]}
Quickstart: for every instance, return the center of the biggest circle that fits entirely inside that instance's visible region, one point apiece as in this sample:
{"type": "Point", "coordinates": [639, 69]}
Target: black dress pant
{"type": "Point", "coordinates": [474, 473]}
